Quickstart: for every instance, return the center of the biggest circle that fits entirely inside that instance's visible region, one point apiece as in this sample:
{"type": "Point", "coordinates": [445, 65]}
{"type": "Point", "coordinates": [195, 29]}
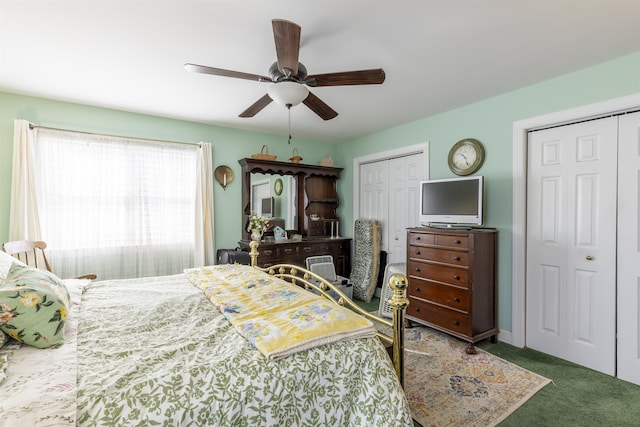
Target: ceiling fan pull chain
{"type": "Point", "coordinates": [289, 109]}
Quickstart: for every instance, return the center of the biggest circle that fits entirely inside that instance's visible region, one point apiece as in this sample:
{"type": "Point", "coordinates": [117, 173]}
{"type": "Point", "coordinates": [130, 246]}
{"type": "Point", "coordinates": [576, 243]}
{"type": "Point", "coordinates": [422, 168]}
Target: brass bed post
{"type": "Point", "coordinates": [398, 302]}
{"type": "Point", "coordinates": [253, 253]}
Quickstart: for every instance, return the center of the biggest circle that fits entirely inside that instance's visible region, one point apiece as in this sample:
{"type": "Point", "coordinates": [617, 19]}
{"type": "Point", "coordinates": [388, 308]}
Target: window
{"type": "Point", "coordinates": [114, 206]}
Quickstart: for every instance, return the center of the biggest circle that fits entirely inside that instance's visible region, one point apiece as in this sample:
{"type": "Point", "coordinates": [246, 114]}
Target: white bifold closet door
{"type": "Point", "coordinates": [389, 193]}
{"type": "Point", "coordinates": [629, 249]}
{"type": "Point", "coordinates": [583, 244]}
{"type": "Point", "coordinates": [571, 243]}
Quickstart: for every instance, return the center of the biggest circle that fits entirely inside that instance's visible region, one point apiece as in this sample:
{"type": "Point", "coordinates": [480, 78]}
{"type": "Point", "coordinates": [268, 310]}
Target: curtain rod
{"type": "Point", "coordinates": [32, 126]}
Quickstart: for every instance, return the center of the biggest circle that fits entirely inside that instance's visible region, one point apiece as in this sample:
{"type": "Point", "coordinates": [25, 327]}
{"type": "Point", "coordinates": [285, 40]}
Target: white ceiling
{"type": "Point", "coordinates": [437, 54]}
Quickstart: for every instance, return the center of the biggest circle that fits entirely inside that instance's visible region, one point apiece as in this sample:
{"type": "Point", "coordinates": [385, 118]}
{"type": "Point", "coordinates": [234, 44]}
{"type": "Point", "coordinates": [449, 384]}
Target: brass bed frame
{"type": "Point", "coordinates": [309, 280]}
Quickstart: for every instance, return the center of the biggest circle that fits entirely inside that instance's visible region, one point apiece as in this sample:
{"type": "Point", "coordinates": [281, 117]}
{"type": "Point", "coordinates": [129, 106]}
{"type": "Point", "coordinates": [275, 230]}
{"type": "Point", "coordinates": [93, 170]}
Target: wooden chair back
{"type": "Point", "coordinates": [32, 254]}
{"type": "Point", "coordinates": [29, 252]}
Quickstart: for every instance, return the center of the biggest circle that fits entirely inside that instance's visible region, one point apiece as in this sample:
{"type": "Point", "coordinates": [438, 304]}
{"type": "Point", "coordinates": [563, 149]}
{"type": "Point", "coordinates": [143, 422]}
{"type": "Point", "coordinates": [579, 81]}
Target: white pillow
{"type": "Point", "coordinates": [5, 263]}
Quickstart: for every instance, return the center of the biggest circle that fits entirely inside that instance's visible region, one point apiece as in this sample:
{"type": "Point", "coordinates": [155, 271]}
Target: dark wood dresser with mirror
{"type": "Point", "coordinates": [452, 284]}
{"type": "Point", "coordinates": [305, 206]}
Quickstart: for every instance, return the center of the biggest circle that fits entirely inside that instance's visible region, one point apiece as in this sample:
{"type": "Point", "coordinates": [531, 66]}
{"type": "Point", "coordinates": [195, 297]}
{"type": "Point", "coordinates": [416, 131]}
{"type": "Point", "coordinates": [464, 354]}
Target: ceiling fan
{"type": "Point", "coordinates": [289, 77]}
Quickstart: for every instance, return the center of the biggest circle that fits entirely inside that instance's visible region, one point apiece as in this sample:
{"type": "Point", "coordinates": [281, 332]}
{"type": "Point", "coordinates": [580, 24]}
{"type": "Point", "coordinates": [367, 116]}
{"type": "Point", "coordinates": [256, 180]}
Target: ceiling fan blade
{"type": "Point", "coordinates": [194, 68]}
{"type": "Point", "coordinates": [319, 107]}
{"type": "Point", "coordinates": [363, 77]}
{"type": "Point", "coordinates": [287, 37]}
{"type": "Point", "coordinates": [256, 107]}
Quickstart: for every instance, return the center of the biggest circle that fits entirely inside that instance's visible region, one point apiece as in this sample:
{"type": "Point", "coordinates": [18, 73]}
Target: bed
{"type": "Point", "coordinates": [169, 351]}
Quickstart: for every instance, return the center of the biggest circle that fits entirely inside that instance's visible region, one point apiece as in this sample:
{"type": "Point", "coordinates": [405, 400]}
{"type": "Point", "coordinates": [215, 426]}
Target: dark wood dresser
{"type": "Point", "coordinates": [451, 275]}
{"type": "Point", "coordinates": [296, 252]}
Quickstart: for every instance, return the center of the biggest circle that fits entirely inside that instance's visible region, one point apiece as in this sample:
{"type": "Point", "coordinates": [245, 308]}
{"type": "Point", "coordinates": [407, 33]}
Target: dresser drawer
{"type": "Point", "coordinates": [439, 273]}
{"type": "Point", "coordinates": [439, 255]}
{"type": "Point", "coordinates": [452, 241]}
{"type": "Point", "coordinates": [317, 228]}
{"type": "Point", "coordinates": [439, 316]}
{"type": "Point", "coordinates": [443, 240]}
{"type": "Point", "coordinates": [264, 253]}
{"type": "Point", "coordinates": [315, 249]}
{"type": "Point", "coordinates": [307, 250]}
{"type": "Point", "coordinates": [287, 251]}
{"type": "Point", "coordinates": [456, 298]}
{"type": "Point", "coordinates": [421, 239]}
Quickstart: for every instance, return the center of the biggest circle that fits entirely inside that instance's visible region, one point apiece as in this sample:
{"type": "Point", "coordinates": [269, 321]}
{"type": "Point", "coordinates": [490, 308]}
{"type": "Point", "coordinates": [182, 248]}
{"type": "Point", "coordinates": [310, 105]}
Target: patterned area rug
{"type": "Point", "coordinates": [447, 387]}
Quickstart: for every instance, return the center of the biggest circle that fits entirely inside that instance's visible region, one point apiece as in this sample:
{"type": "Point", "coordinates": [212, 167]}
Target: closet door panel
{"type": "Point", "coordinates": [374, 197]}
{"type": "Point", "coordinates": [404, 186]}
{"type": "Point", "coordinates": [389, 192]}
{"type": "Point", "coordinates": [629, 249]}
{"type": "Point", "coordinates": [571, 242]}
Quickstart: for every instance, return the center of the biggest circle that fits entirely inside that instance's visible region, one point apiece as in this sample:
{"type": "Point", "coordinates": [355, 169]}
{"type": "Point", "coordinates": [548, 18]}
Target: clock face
{"type": "Point", "coordinates": [466, 156]}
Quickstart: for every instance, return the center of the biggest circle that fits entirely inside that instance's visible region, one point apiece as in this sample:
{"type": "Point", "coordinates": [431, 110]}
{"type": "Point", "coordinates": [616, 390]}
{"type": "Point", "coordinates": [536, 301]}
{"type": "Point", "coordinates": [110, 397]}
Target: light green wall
{"type": "Point", "coordinates": [228, 145]}
{"type": "Point", "coordinates": [491, 121]}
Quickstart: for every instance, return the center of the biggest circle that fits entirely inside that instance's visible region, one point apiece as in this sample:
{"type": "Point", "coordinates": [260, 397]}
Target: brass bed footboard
{"type": "Point", "coordinates": [398, 302]}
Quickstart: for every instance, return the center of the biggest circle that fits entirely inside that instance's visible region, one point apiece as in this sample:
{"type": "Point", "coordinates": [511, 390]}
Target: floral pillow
{"type": "Point", "coordinates": [33, 306]}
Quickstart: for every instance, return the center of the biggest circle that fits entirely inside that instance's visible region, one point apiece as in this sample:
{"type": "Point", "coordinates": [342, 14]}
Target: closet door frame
{"type": "Point", "coordinates": [521, 128]}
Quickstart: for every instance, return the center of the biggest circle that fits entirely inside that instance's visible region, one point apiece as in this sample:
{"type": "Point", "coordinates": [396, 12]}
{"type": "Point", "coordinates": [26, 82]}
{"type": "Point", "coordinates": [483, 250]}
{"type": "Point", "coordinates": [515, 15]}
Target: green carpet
{"type": "Point", "coordinates": [577, 396]}
{"type": "Point", "coordinates": [369, 306]}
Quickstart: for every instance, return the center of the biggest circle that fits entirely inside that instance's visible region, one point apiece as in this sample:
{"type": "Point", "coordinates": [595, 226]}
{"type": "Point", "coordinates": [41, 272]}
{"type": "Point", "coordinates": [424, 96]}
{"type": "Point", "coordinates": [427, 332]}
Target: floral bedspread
{"type": "Point", "coordinates": [277, 317]}
{"type": "Point", "coordinates": [155, 352]}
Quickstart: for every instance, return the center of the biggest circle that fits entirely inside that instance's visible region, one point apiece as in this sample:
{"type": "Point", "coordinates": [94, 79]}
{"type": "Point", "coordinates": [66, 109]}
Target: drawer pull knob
{"type": "Point", "coordinates": [418, 269]}
{"type": "Point", "coordinates": [456, 277]}
{"type": "Point", "coordinates": [417, 252]}
{"type": "Point", "coordinates": [417, 310]}
{"type": "Point", "coordinates": [268, 252]}
{"type": "Point", "coordinates": [456, 299]}
{"type": "Point", "coordinates": [456, 258]}
{"type": "Point", "coordinates": [417, 289]}
{"type": "Point", "coordinates": [456, 323]}
{"type": "Point", "coordinates": [418, 238]}
{"type": "Point", "coordinates": [457, 242]}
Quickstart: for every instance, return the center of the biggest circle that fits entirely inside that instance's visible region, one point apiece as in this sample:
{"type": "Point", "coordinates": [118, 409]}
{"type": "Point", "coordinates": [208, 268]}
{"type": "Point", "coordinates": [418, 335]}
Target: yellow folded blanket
{"type": "Point", "coordinates": [278, 318]}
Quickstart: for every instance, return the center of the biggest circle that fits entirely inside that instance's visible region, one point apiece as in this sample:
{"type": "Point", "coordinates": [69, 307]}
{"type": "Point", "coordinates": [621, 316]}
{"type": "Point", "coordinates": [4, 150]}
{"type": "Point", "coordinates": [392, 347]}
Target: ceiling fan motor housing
{"type": "Point", "coordinates": [278, 76]}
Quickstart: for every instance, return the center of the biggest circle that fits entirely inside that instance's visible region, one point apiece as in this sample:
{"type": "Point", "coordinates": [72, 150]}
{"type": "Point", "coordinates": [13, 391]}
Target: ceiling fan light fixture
{"type": "Point", "coordinates": [288, 93]}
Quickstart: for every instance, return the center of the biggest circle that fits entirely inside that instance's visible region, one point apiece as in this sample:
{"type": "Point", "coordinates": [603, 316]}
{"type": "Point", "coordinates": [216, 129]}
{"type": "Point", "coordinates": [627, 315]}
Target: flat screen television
{"type": "Point", "coordinates": [451, 202]}
{"type": "Point", "coordinates": [268, 207]}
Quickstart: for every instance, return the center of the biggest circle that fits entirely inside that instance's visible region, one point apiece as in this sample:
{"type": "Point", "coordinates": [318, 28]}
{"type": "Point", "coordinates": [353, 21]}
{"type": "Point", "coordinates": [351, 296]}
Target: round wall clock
{"type": "Point", "coordinates": [466, 156]}
{"type": "Point", "coordinates": [277, 187]}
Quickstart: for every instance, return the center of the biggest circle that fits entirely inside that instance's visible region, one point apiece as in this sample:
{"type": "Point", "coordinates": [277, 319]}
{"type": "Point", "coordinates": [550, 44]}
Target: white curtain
{"type": "Point", "coordinates": [204, 234]}
{"type": "Point", "coordinates": [113, 206]}
{"type": "Point", "coordinates": [24, 221]}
